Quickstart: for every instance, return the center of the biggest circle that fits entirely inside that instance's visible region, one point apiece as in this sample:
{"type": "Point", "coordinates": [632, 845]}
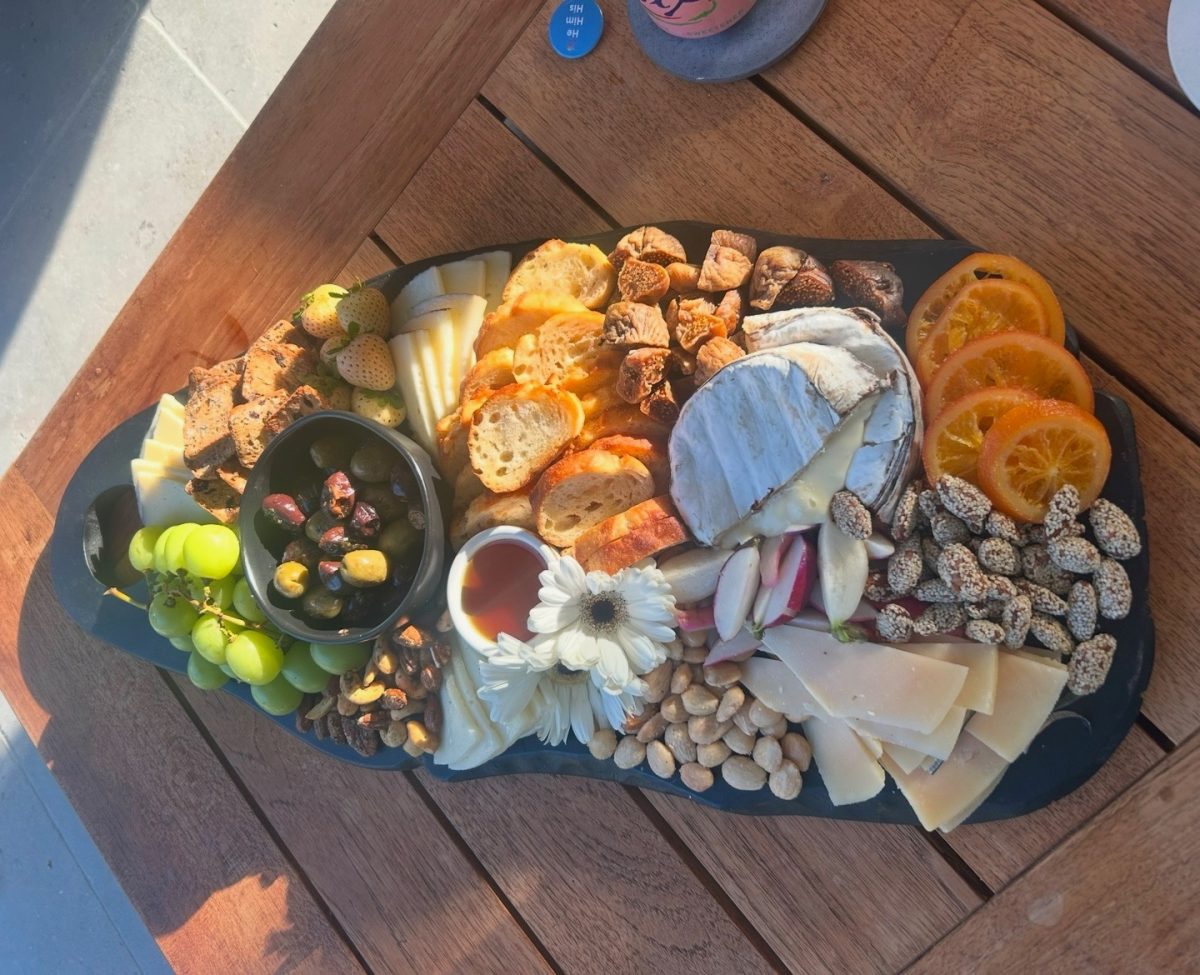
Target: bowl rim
{"type": "Point", "coordinates": [429, 568]}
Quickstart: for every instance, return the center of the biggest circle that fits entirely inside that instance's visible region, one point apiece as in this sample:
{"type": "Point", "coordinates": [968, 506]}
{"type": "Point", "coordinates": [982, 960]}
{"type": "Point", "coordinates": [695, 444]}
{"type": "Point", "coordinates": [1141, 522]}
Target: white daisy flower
{"type": "Point", "coordinates": [593, 635]}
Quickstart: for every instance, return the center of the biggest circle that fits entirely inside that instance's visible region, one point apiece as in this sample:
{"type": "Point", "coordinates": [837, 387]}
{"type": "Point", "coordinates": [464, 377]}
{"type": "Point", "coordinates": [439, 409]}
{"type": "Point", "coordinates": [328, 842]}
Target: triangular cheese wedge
{"type": "Point", "coordinates": [1027, 689]}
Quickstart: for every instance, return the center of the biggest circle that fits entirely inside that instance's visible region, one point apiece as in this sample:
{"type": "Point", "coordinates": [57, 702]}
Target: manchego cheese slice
{"type": "Point", "coordinates": [943, 798]}
{"type": "Point", "coordinates": [1027, 688]}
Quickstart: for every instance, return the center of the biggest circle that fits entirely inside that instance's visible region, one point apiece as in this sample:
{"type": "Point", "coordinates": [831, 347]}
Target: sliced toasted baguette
{"type": "Point", "coordinates": [451, 435]}
{"type": "Point", "coordinates": [207, 439]}
{"type": "Point", "coordinates": [519, 431]}
{"type": "Point", "coordinates": [580, 270]}
{"type": "Point", "coordinates": [503, 327]}
{"type": "Point", "coordinates": [624, 419]}
{"type": "Point", "coordinates": [467, 487]}
{"type": "Point", "coordinates": [631, 536]}
{"type": "Point", "coordinates": [651, 451]}
{"type": "Point", "coordinates": [488, 374]}
{"type": "Point", "coordinates": [562, 346]}
{"type": "Point", "coordinates": [489, 510]}
{"type": "Point", "coordinates": [583, 489]}
{"type": "Point", "coordinates": [600, 400]}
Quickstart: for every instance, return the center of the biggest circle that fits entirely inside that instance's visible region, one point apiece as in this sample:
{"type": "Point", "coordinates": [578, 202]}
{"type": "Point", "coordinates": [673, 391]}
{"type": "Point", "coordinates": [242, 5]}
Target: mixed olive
{"type": "Point", "coordinates": [358, 528]}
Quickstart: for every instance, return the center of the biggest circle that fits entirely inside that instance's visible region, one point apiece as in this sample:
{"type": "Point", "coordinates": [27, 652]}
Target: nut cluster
{"type": "Point", "coordinates": [392, 701]}
{"type": "Point", "coordinates": [975, 568]}
{"type": "Point", "coordinates": [698, 719]}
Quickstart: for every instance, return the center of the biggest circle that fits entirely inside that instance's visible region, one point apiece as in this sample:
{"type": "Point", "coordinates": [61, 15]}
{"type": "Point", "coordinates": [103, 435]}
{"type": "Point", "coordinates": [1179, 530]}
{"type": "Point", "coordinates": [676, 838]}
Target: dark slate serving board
{"type": "Point", "coordinates": [97, 504]}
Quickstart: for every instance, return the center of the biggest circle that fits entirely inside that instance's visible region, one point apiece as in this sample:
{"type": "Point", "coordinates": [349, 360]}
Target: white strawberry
{"type": "Point", "coordinates": [331, 347]}
{"type": "Point", "coordinates": [386, 408]}
{"type": "Point", "coordinates": [367, 362]}
{"type": "Point", "coordinates": [318, 311]}
{"type": "Point", "coordinates": [368, 308]}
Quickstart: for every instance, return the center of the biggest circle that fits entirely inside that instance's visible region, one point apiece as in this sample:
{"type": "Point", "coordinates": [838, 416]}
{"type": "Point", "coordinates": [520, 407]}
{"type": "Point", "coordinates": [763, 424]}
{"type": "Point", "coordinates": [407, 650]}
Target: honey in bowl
{"type": "Point", "coordinates": [500, 587]}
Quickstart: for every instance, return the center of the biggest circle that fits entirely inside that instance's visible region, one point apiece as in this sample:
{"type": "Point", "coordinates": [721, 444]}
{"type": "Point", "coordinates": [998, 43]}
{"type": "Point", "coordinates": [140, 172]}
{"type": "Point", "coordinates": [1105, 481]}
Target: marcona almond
{"type": "Point", "coordinates": [731, 702]}
{"type": "Point", "coordinates": [421, 736]}
{"type": "Point", "coordinates": [603, 743]}
{"type": "Point", "coordinates": [691, 638]}
{"type": "Point", "coordinates": [673, 709]}
{"type": "Point", "coordinates": [681, 680]}
{"type": "Point", "coordinates": [777, 730]}
{"type": "Point", "coordinates": [712, 754]}
{"type": "Point", "coordinates": [660, 759]}
{"type": "Point", "coordinates": [675, 651]}
{"type": "Point", "coordinates": [763, 716]}
{"type": "Point", "coordinates": [724, 674]}
{"type": "Point", "coordinates": [629, 753]}
{"type": "Point", "coordinates": [741, 773]}
{"type": "Point", "coordinates": [657, 682]}
{"type": "Point", "coordinates": [700, 700]}
{"type": "Point", "coordinates": [742, 718]}
{"type": "Point", "coordinates": [767, 754]}
{"type": "Point", "coordinates": [785, 781]}
{"type": "Point", "coordinates": [394, 735]}
{"type": "Point", "coordinates": [695, 655]}
{"type": "Point", "coordinates": [652, 729]}
{"type": "Point", "coordinates": [796, 749]}
{"type": "Point", "coordinates": [739, 741]}
{"type": "Point", "coordinates": [696, 777]}
{"type": "Point", "coordinates": [682, 747]}
{"type": "Point", "coordinates": [705, 728]}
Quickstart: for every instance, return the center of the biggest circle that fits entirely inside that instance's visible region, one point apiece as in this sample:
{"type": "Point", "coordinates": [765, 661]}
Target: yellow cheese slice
{"type": "Point", "coordinates": [445, 347]}
{"type": "Point", "coordinates": [939, 743]}
{"type": "Point", "coordinates": [773, 683]}
{"type": "Point", "coordinates": [425, 285]}
{"type": "Point", "coordinates": [870, 743]}
{"type": "Point", "coordinates": [498, 264]}
{"type": "Point", "coordinates": [907, 758]}
{"type": "Point", "coordinates": [465, 277]}
{"type": "Point", "coordinates": [167, 425]}
{"type": "Point", "coordinates": [850, 772]}
{"type": "Point", "coordinates": [1027, 688]}
{"type": "Point", "coordinates": [468, 318]}
{"type": "Point", "coordinates": [960, 783]}
{"type": "Point", "coordinates": [979, 690]}
{"type": "Point", "coordinates": [870, 681]}
{"type": "Point", "coordinates": [966, 814]}
{"type": "Point", "coordinates": [167, 454]}
{"type": "Point", "coordinates": [410, 377]}
{"type": "Point", "coordinates": [153, 468]}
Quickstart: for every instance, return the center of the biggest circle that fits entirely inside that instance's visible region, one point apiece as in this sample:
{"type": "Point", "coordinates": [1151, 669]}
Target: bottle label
{"type": "Point", "coordinates": [696, 18]}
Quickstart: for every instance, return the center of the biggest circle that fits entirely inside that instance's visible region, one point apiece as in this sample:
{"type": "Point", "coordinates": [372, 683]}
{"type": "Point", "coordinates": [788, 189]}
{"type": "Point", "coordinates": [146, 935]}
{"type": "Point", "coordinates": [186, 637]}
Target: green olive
{"type": "Point", "coordinates": [373, 462]}
{"type": "Point", "coordinates": [398, 538]}
{"type": "Point", "coordinates": [319, 524]}
{"type": "Point", "coordinates": [365, 568]}
{"type": "Point", "coordinates": [330, 453]}
{"type": "Point", "coordinates": [322, 604]}
{"type": "Point", "coordinates": [386, 505]}
{"type": "Point", "coordinates": [291, 579]}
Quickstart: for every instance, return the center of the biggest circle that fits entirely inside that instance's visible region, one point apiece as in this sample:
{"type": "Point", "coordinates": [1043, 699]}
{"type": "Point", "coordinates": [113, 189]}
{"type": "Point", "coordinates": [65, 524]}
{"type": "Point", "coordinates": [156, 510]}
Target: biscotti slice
{"type": "Point", "coordinates": [228, 369]}
{"type": "Point", "coordinates": [631, 536]}
{"type": "Point", "coordinates": [272, 366]}
{"type": "Point", "coordinates": [216, 497]}
{"type": "Point", "coordinates": [519, 432]}
{"type": "Point", "coordinates": [651, 451]}
{"type": "Point", "coordinates": [284, 332]}
{"type": "Point", "coordinates": [583, 489]}
{"type": "Point", "coordinates": [580, 270]}
{"type": "Point", "coordinates": [490, 510]}
{"type": "Point", "coordinates": [562, 346]}
{"type": "Point", "coordinates": [246, 424]}
{"type": "Point", "coordinates": [233, 474]}
{"type": "Point", "coordinates": [301, 402]}
{"type": "Point", "coordinates": [207, 438]}
{"type": "Point", "coordinates": [504, 327]}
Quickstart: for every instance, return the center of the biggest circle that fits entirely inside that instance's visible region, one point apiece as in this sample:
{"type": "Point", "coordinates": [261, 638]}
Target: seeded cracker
{"type": "Point", "coordinates": [1115, 531]}
{"type": "Point", "coordinates": [964, 499]}
{"type": "Point", "coordinates": [1089, 664]}
{"type": "Point", "coordinates": [850, 515]}
{"type": "Point", "coordinates": [1114, 595]}
{"type": "Point", "coordinates": [1062, 511]}
{"type": "Point", "coordinates": [1082, 611]}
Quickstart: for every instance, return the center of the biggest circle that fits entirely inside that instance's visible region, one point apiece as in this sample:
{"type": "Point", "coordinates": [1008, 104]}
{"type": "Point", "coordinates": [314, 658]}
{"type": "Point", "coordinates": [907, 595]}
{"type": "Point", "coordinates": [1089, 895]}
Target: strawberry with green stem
{"type": "Point", "coordinates": [317, 313]}
{"type": "Point", "coordinates": [366, 307]}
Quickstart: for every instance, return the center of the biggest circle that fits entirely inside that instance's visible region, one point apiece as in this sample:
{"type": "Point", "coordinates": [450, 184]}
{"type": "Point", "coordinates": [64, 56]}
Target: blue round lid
{"type": "Point", "coordinates": [575, 27]}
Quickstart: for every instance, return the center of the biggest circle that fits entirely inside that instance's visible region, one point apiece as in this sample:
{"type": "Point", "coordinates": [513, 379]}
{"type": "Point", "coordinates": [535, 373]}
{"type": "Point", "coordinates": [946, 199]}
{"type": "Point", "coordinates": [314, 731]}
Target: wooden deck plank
{"type": "Point", "coordinates": [1020, 134]}
{"type": "Point", "coordinates": [197, 864]}
{"type": "Point", "coordinates": [1137, 28]}
{"type": "Point", "coordinates": [1118, 896]}
{"type": "Point", "coordinates": [367, 100]}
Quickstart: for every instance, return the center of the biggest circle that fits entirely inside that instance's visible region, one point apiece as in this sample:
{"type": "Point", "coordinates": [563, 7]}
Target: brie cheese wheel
{"type": "Point", "coordinates": [756, 425]}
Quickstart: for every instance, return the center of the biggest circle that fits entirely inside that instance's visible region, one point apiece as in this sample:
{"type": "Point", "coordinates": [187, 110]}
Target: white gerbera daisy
{"type": "Point", "coordinates": [594, 634]}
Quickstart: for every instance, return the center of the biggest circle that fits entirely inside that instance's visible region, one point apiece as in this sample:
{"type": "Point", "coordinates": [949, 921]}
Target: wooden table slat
{"type": "Point", "coordinates": [1136, 28]}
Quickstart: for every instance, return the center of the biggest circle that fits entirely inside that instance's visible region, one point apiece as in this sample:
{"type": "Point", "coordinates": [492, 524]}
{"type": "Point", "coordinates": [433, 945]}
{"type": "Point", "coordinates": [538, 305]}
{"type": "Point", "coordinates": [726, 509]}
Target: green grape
{"type": "Point", "coordinates": [211, 552]}
{"type": "Point", "coordinates": [336, 659]}
{"type": "Point", "coordinates": [277, 697]}
{"type": "Point", "coordinates": [171, 616]}
{"type": "Point", "coordinates": [228, 672]}
{"type": "Point", "coordinates": [160, 549]}
{"type": "Point", "coordinates": [301, 671]}
{"type": "Point", "coordinates": [222, 591]}
{"type": "Point", "coordinates": [183, 643]}
{"type": "Point", "coordinates": [174, 560]}
{"type": "Point", "coordinates": [141, 547]}
{"type": "Point", "coordinates": [244, 604]}
{"type": "Point", "coordinates": [212, 639]}
{"type": "Point", "coordinates": [254, 657]}
{"type": "Point", "coordinates": [205, 675]}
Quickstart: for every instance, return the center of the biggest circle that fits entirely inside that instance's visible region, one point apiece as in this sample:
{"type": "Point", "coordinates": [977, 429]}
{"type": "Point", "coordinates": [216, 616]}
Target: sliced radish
{"type": "Point", "coordinates": [842, 568]}
{"type": "Point", "coordinates": [736, 589]}
{"type": "Point", "coordinates": [693, 575]}
{"type": "Point", "coordinates": [695, 618]}
{"type": "Point", "coordinates": [879, 546]}
{"type": "Point", "coordinates": [740, 646]}
{"type": "Point", "coordinates": [864, 612]}
{"type": "Point", "coordinates": [771, 557]}
{"type": "Point", "coordinates": [810, 619]}
{"type": "Point", "coordinates": [797, 575]}
{"type": "Point", "coordinates": [758, 613]}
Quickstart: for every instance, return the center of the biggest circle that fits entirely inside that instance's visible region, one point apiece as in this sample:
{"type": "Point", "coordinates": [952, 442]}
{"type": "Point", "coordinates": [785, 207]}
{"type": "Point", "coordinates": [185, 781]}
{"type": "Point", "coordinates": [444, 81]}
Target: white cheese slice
{"type": "Point", "coordinates": [959, 784]}
{"type": "Point", "coordinates": [167, 423]}
{"type": "Point", "coordinates": [167, 454]}
{"type": "Point", "coordinates": [850, 773]}
{"type": "Point", "coordinates": [980, 659]}
{"type": "Point", "coordinates": [427, 359]}
{"type": "Point", "coordinates": [460, 731]}
{"type": "Point", "coordinates": [872, 744]}
{"type": "Point", "coordinates": [869, 680]}
{"type": "Point", "coordinates": [938, 743]}
{"type": "Point", "coordinates": [465, 277]}
{"type": "Point", "coordinates": [1027, 689]}
{"type": "Point", "coordinates": [168, 405]}
{"type": "Point", "coordinates": [140, 465]}
{"type": "Point", "coordinates": [907, 758]}
{"type": "Point", "coordinates": [162, 501]}
{"type": "Point", "coordinates": [425, 285]}
{"type": "Point", "coordinates": [969, 811]}
{"type": "Point", "coordinates": [410, 377]}
{"type": "Point", "coordinates": [773, 683]}
{"type": "Point", "coordinates": [729, 454]}
{"type": "Point", "coordinates": [498, 264]}
{"type": "Point", "coordinates": [468, 319]}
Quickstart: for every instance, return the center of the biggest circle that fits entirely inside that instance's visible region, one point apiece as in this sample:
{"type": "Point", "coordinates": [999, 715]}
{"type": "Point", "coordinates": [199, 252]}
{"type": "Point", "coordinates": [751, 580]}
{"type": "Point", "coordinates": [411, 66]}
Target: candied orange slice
{"type": "Point", "coordinates": [953, 439]}
{"type": "Point", "coordinates": [1018, 359]}
{"type": "Point", "coordinates": [937, 296]}
{"type": "Point", "coordinates": [1034, 449]}
{"type": "Point", "coordinates": [981, 308]}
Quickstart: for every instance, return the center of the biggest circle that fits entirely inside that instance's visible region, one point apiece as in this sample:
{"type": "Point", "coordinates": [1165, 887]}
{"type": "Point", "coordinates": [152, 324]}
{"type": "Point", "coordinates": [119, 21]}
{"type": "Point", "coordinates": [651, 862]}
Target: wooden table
{"type": "Point", "coordinates": [1052, 130]}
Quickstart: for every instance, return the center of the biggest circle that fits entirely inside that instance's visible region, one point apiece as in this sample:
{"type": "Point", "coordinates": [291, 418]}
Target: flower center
{"type": "Point", "coordinates": [603, 612]}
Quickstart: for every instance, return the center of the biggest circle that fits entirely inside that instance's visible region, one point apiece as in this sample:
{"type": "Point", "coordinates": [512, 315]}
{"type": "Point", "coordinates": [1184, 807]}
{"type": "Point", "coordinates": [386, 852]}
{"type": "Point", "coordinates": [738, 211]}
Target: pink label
{"type": "Point", "coordinates": [696, 18]}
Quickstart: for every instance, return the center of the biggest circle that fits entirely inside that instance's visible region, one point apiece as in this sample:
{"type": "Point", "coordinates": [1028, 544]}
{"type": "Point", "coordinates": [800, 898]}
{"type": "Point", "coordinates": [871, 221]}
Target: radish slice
{"type": "Point", "coordinates": [696, 618]}
{"type": "Point", "coordinates": [760, 605]}
{"type": "Point", "coordinates": [864, 612]}
{"type": "Point", "coordinates": [770, 558]}
{"type": "Point", "coordinates": [693, 575]}
{"type": "Point", "coordinates": [810, 619]}
{"type": "Point", "coordinates": [842, 566]}
{"type": "Point", "coordinates": [879, 546]}
{"type": "Point", "coordinates": [797, 575]}
{"type": "Point", "coordinates": [740, 646]}
{"type": "Point", "coordinates": [735, 591]}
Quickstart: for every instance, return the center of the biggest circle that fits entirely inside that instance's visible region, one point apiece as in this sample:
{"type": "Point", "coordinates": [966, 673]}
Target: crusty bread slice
{"type": "Point", "coordinates": [562, 346]}
{"type": "Point", "coordinates": [488, 374]}
{"type": "Point", "coordinates": [624, 419]}
{"type": "Point", "coordinates": [467, 487]}
{"type": "Point", "coordinates": [580, 270]}
{"type": "Point", "coordinates": [651, 451]}
{"type": "Point", "coordinates": [600, 400]}
{"type": "Point", "coordinates": [583, 489]}
{"type": "Point", "coordinates": [519, 432]}
{"type": "Point", "coordinates": [489, 510]}
{"type": "Point", "coordinates": [207, 440]}
{"type": "Point", "coordinates": [503, 327]}
{"type": "Point", "coordinates": [451, 435]}
{"type": "Point", "coordinates": [631, 536]}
